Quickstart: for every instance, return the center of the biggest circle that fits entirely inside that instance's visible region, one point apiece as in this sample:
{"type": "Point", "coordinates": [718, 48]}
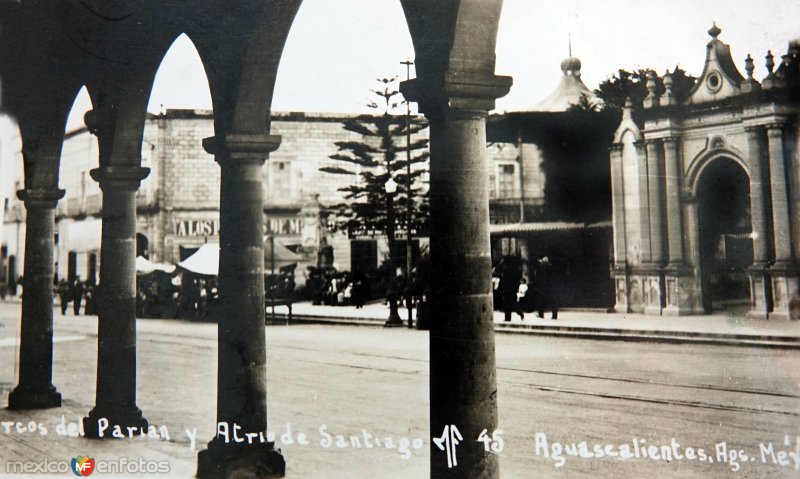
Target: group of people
{"type": "Point", "coordinates": [513, 292]}
{"type": "Point", "coordinates": [76, 292]}
{"type": "Point", "coordinates": [333, 288]}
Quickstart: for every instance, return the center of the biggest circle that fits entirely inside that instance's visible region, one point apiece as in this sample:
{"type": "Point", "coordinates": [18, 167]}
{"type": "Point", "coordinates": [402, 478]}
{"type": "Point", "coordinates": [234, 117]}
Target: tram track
{"type": "Point", "coordinates": [606, 387]}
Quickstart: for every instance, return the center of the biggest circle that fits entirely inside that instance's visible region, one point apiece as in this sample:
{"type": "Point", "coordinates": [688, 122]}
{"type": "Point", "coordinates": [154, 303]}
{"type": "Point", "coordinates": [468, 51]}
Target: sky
{"type": "Point", "coordinates": [336, 49]}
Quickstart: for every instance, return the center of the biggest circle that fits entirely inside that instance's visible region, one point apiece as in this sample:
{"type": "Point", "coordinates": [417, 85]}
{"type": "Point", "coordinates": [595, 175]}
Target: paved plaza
{"type": "Point", "coordinates": [370, 383]}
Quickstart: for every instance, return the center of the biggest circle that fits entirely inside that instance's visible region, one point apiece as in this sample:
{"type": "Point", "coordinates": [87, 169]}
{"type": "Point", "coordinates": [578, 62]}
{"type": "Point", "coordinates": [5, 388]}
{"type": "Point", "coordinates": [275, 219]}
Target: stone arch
{"type": "Point", "coordinates": [705, 158]}
{"type": "Point", "coordinates": [724, 226]}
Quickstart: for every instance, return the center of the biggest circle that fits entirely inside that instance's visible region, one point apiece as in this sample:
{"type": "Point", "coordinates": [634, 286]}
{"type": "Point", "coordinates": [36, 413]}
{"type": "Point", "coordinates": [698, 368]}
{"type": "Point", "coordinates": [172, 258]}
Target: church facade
{"type": "Point", "coordinates": [706, 192]}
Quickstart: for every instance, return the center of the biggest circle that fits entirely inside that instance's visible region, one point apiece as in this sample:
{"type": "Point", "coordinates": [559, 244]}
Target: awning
{"type": "Point", "coordinates": [205, 261]}
{"type": "Point", "coordinates": [499, 229]}
{"type": "Point", "coordinates": [145, 266]}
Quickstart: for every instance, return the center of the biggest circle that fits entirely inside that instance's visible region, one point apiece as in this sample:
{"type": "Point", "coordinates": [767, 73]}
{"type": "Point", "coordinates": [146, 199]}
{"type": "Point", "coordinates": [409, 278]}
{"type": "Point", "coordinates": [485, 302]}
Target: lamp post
{"type": "Point", "coordinates": [394, 317]}
{"type": "Point", "coordinates": [409, 248]}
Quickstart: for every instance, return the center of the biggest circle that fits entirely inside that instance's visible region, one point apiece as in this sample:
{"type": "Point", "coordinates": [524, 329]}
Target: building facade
{"type": "Point", "coordinates": [178, 204]}
{"type": "Point", "coordinates": [706, 192]}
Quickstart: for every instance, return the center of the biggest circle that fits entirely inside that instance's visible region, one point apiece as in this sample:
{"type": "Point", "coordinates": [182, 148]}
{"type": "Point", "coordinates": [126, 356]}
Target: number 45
{"type": "Point", "coordinates": [492, 444]}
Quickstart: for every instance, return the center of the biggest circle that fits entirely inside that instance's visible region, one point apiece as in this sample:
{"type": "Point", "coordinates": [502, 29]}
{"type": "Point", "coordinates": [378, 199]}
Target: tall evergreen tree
{"type": "Point", "coordinates": [378, 156]}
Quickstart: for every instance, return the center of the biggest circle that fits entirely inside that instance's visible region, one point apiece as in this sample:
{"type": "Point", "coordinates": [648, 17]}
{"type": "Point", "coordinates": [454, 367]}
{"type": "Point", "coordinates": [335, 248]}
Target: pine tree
{"type": "Point", "coordinates": [380, 155]}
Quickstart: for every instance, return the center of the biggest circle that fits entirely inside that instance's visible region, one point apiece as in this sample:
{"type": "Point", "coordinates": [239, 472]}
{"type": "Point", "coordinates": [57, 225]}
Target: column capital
{"type": "Point", "coordinates": [242, 146]}
{"type": "Point", "coordinates": [754, 128]}
{"type": "Point", "coordinates": [124, 177]}
{"type": "Point", "coordinates": [616, 147]}
{"type": "Point", "coordinates": [460, 93]}
{"type": "Point", "coordinates": [40, 197]}
{"type": "Point", "coordinates": [774, 129]}
{"type": "Point", "coordinates": [671, 140]}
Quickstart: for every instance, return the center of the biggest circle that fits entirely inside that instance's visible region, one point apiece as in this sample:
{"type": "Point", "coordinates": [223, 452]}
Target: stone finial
{"type": "Point", "coordinates": [651, 100]}
{"type": "Point", "coordinates": [668, 98]}
{"type": "Point", "coordinates": [626, 110]}
{"type": "Point", "coordinates": [770, 62]}
{"type": "Point", "coordinates": [750, 84]}
{"type": "Point", "coordinates": [749, 66]}
{"type": "Point", "coordinates": [714, 31]}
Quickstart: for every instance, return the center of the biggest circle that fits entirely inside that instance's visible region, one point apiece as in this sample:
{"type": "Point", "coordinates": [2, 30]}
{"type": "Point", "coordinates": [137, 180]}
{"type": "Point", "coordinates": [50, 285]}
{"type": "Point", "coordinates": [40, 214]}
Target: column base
{"type": "Point", "coordinates": [131, 417]}
{"type": "Point", "coordinates": [22, 398]}
{"type": "Point", "coordinates": [621, 292]}
{"type": "Point", "coordinates": [759, 306]}
{"type": "Point", "coordinates": [681, 291]}
{"type": "Point", "coordinates": [652, 295]}
{"type": "Point", "coordinates": [784, 295]}
{"type": "Point", "coordinates": [636, 287]}
{"type": "Point", "coordinates": [252, 461]}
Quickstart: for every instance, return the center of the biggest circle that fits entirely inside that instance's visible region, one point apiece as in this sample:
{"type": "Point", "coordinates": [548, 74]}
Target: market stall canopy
{"type": "Point", "coordinates": [283, 254]}
{"type": "Point", "coordinates": [204, 261]}
{"type": "Point", "coordinates": [145, 266]}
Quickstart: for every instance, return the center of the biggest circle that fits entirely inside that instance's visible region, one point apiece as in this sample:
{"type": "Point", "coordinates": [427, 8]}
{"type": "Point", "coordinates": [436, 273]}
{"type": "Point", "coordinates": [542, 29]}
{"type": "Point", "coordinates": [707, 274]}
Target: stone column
{"type": "Point", "coordinates": [619, 273]}
{"type": "Point", "coordinates": [759, 297]}
{"type": "Point", "coordinates": [673, 176]}
{"type": "Point", "coordinates": [115, 398]}
{"type": "Point", "coordinates": [783, 272]}
{"type": "Point", "coordinates": [242, 356]}
{"type": "Point", "coordinates": [35, 389]}
{"type": "Point", "coordinates": [655, 193]}
{"type": "Point", "coordinates": [463, 386]}
{"type": "Point", "coordinates": [679, 284]}
{"type": "Point", "coordinates": [691, 225]}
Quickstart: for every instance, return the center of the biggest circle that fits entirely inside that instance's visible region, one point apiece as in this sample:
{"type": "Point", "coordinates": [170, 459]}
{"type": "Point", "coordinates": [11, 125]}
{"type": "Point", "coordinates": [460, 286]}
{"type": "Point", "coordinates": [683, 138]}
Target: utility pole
{"type": "Point", "coordinates": [409, 248]}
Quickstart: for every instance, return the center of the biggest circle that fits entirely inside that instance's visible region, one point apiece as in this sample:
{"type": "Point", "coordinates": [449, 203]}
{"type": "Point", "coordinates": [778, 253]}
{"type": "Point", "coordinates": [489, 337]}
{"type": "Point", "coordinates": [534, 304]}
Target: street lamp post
{"type": "Point", "coordinates": [409, 248]}
{"type": "Point", "coordinates": [394, 317]}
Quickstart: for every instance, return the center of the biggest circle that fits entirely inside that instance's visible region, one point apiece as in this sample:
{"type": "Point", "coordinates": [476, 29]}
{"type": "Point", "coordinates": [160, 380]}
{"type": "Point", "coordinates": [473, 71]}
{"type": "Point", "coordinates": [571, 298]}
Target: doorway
{"type": "Point", "coordinates": [726, 245]}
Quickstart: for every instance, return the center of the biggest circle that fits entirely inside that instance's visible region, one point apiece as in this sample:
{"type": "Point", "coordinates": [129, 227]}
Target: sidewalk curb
{"type": "Point", "coordinates": [607, 334]}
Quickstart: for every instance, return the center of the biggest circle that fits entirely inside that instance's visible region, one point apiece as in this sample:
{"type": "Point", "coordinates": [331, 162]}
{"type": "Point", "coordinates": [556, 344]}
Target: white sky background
{"type": "Point", "coordinates": [336, 49]}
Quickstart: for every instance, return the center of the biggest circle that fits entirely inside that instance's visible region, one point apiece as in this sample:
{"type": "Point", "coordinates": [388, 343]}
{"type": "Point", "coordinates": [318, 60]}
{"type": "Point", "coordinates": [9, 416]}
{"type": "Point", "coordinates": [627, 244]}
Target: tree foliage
{"type": "Point", "coordinates": [633, 84]}
{"type": "Point", "coordinates": [371, 161]}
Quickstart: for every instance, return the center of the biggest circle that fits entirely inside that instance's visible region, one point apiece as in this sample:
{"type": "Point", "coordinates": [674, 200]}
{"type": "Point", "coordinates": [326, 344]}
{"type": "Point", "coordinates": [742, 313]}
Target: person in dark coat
{"type": "Point", "coordinates": [546, 289]}
{"type": "Point", "coordinates": [64, 294]}
{"type": "Point", "coordinates": [77, 295]}
{"type": "Point", "coordinates": [360, 288]}
{"type": "Point", "coordinates": [510, 270]}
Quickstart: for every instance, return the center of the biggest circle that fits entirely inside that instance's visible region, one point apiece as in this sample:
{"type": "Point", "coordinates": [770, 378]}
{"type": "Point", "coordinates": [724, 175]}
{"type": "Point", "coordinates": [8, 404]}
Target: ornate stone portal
{"type": "Point", "coordinates": [706, 192]}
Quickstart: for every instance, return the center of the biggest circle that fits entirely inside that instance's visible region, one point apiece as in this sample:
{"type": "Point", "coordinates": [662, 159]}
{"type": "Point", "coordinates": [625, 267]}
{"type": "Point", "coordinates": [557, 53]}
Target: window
{"type": "Point", "coordinates": [506, 181]}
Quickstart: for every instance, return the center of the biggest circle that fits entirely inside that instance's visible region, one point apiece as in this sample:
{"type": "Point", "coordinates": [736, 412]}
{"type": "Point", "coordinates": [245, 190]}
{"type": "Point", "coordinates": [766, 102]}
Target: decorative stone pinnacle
{"type": "Point", "coordinates": [714, 31]}
{"type": "Point", "coordinates": [749, 66]}
{"type": "Point", "coordinates": [668, 81]}
{"type": "Point", "coordinates": [770, 62]}
{"type": "Point", "coordinates": [651, 83]}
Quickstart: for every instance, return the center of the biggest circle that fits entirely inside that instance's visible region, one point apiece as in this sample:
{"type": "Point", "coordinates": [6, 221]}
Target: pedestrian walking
{"type": "Point", "coordinates": [546, 290]}
{"type": "Point", "coordinates": [510, 271]}
{"type": "Point", "coordinates": [77, 295]}
{"type": "Point", "coordinates": [64, 294]}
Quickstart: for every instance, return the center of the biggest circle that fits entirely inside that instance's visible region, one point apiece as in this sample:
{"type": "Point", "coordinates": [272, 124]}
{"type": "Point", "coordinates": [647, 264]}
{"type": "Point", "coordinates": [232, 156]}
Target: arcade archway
{"type": "Point", "coordinates": [726, 245]}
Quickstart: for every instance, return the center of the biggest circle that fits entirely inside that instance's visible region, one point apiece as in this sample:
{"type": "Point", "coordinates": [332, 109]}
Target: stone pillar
{"type": "Point", "coordinates": [462, 356]}
{"type": "Point", "coordinates": [783, 272]}
{"type": "Point", "coordinates": [679, 285]}
{"type": "Point", "coordinates": [655, 189]}
{"type": "Point", "coordinates": [242, 354]}
{"type": "Point", "coordinates": [673, 176]}
{"type": "Point", "coordinates": [35, 389]}
{"type": "Point", "coordinates": [463, 386]}
{"type": "Point", "coordinates": [115, 398]}
{"type": "Point", "coordinates": [759, 297]}
{"type": "Point", "coordinates": [691, 225]}
{"type": "Point", "coordinates": [619, 273]}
